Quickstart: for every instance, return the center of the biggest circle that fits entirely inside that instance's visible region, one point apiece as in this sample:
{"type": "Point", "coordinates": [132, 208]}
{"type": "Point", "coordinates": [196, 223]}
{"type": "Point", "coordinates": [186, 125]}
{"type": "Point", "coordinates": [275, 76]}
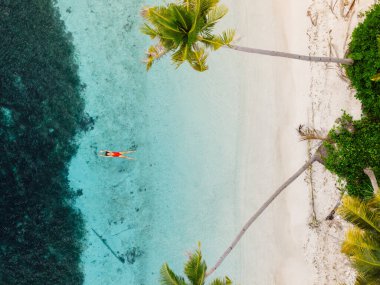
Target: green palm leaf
{"type": "Point", "coordinates": [374, 203]}
{"type": "Point", "coordinates": [358, 241]}
{"type": "Point", "coordinates": [168, 277]}
{"type": "Point", "coordinates": [362, 243]}
{"type": "Point", "coordinates": [195, 268]}
{"type": "Point", "coordinates": [368, 267]}
{"type": "Point", "coordinates": [212, 42]}
{"type": "Point", "coordinates": [206, 6]}
{"type": "Point", "coordinates": [215, 14]}
{"type": "Point", "coordinates": [359, 214]}
{"type": "Point", "coordinates": [225, 281]}
{"type": "Point", "coordinates": [215, 42]}
{"type": "Point", "coordinates": [147, 30]}
{"type": "Point", "coordinates": [154, 53]}
{"type": "Point", "coordinates": [180, 14]}
{"type": "Point", "coordinates": [197, 59]}
{"type": "Point", "coordinates": [228, 36]}
{"type": "Point", "coordinates": [180, 55]}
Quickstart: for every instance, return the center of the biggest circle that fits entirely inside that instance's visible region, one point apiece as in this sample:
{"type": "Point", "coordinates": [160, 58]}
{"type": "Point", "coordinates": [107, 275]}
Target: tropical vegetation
{"type": "Point", "coordinates": [185, 29]}
{"type": "Point", "coordinates": [354, 145]}
{"type": "Point", "coordinates": [195, 270]}
{"type": "Point", "coordinates": [364, 49]}
{"type": "Point", "coordinates": [362, 242]}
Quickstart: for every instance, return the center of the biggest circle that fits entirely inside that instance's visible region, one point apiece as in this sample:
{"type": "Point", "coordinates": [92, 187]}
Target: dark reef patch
{"type": "Point", "coordinates": [41, 111]}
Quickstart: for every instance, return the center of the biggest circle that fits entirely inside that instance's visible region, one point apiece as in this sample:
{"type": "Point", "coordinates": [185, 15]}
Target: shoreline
{"type": "Point", "coordinates": [272, 116]}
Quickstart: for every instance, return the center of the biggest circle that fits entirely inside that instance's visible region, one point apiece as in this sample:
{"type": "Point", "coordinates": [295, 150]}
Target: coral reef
{"type": "Point", "coordinates": [41, 111]}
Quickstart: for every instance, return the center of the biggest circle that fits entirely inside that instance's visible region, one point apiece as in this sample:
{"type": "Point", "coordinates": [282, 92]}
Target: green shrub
{"type": "Point", "coordinates": [364, 50]}
{"type": "Point", "coordinates": [354, 146]}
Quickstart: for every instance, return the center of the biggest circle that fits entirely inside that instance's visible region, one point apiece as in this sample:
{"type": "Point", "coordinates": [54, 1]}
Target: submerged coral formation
{"type": "Point", "coordinates": [41, 111]}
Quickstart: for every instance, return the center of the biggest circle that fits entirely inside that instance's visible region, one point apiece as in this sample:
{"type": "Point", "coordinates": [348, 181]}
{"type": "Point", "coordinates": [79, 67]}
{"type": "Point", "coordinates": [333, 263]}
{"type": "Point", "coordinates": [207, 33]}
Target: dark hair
{"type": "Point", "coordinates": [107, 153]}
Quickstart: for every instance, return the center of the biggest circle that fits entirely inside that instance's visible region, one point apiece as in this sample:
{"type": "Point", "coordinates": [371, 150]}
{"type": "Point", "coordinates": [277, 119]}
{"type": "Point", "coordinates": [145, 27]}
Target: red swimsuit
{"type": "Point", "coordinates": [115, 154]}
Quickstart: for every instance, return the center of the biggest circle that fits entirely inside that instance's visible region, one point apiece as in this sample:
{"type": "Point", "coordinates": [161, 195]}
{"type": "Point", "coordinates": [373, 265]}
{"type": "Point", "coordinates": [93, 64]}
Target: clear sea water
{"type": "Point", "coordinates": [182, 187]}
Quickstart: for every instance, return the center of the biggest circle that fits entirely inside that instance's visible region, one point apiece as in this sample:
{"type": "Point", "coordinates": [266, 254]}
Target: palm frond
{"type": "Point", "coordinates": [182, 17]}
{"type": "Point", "coordinates": [307, 133]}
{"type": "Point", "coordinates": [206, 6]}
{"type": "Point", "coordinates": [154, 53]}
{"type": "Point", "coordinates": [374, 203]}
{"type": "Point", "coordinates": [180, 55]}
{"type": "Point", "coordinates": [147, 30]}
{"type": "Point", "coordinates": [368, 266]}
{"type": "Point", "coordinates": [218, 281]}
{"type": "Point", "coordinates": [162, 17]}
{"type": "Point", "coordinates": [145, 12]}
{"type": "Point", "coordinates": [211, 42]}
{"type": "Point", "coordinates": [169, 44]}
{"type": "Point", "coordinates": [195, 268]}
{"type": "Point", "coordinates": [186, 4]}
{"type": "Point", "coordinates": [228, 36]}
{"type": "Point", "coordinates": [362, 280]}
{"type": "Point", "coordinates": [362, 243]}
{"type": "Point", "coordinates": [215, 14]}
{"type": "Point", "coordinates": [358, 241]}
{"type": "Point", "coordinates": [197, 58]}
{"type": "Point", "coordinates": [356, 212]}
{"type": "Point", "coordinates": [168, 277]}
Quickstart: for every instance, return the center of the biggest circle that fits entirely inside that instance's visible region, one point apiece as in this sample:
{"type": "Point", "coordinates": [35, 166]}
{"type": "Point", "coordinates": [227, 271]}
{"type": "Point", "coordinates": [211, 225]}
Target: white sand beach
{"type": "Point", "coordinates": [211, 147]}
{"type": "Point", "coordinates": [293, 243]}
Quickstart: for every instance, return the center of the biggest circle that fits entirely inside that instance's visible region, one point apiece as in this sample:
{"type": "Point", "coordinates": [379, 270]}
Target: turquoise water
{"type": "Point", "coordinates": [184, 125]}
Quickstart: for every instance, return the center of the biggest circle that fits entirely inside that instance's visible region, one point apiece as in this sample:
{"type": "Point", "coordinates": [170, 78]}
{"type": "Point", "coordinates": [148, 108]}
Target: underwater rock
{"type": "Point", "coordinates": [133, 253]}
{"type": "Point", "coordinates": [87, 123]}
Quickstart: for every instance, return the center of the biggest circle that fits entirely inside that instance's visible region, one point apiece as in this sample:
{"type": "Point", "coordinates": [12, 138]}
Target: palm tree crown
{"type": "Point", "coordinates": [362, 243]}
{"type": "Point", "coordinates": [195, 271]}
{"type": "Point", "coordinates": [185, 29]}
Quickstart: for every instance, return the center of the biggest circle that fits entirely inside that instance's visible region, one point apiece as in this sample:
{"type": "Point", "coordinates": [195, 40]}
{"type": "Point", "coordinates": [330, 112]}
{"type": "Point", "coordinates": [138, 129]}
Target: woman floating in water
{"type": "Point", "coordinates": [121, 154]}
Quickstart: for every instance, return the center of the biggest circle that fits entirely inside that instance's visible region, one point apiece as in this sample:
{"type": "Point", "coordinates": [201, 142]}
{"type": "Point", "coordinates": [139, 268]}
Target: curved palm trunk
{"type": "Point", "coordinates": [316, 157]}
{"type": "Point", "coordinates": [294, 56]}
{"type": "Point", "coordinates": [372, 177]}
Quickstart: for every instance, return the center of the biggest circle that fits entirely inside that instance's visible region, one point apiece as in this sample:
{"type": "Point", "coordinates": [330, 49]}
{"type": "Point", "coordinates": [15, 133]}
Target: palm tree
{"type": "Point", "coordinates": [195, 271]}
{"type": "Point", "coordinates": [185, 29]}
{"type": "Point", "coordinates": [317, 157]}
{"type": "Point", "coordinates": [362, 243]}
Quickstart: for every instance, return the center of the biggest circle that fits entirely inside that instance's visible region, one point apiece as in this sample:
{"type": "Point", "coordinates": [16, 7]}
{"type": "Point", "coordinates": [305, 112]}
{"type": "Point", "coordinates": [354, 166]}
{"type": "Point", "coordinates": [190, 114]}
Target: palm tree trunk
{"type": "Point", "coordinates": [372, 177]}
{"type": "Point", "coordinates": [348, 61]}
{"type": "Point", "coordinates": [318, 156]}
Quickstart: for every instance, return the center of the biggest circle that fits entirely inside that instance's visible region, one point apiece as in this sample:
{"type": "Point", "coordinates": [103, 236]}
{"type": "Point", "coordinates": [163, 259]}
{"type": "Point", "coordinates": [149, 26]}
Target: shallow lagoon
{"type": "Point", "coordinates": [184, 126]}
